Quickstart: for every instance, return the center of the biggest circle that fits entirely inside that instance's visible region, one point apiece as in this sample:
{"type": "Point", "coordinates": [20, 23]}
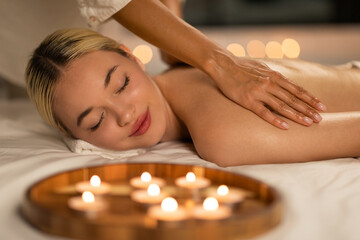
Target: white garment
{"type": "Point", "coordinates": [98, 11]}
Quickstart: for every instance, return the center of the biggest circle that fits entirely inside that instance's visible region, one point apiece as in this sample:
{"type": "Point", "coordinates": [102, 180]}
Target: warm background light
{"type": "Point", "coordinates": [236, 49]}
{"type": "Point", "coordinates": [256, 49]}
{"type": "Point", "coordinates": [144, 53]}
{"type": "Point", "coordinates": [273, 49]}
{"type": "Point", "coordinates": [291, 48]}
{"type": "Point", "coordinates": [145, 177]}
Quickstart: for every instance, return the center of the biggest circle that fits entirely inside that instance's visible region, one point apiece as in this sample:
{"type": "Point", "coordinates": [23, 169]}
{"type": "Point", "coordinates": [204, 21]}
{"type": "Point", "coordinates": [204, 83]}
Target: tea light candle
{"type": "Point", "coordinates": [210, 210]}
{"type": "Point", "coordinates": [94, 185]}
{"type": "Point", "coordinates": [152, 195]}
{"type": "Point", "coordinates": [86, 203]}
{"type": "Point", "coordinates": [190, 181]}
{"type": "Point", "coordinates": [145, 180]}
{"type": "Point", "coordinates": [168, 211]}
{"type": "Point", "coordinates": [226, 196]}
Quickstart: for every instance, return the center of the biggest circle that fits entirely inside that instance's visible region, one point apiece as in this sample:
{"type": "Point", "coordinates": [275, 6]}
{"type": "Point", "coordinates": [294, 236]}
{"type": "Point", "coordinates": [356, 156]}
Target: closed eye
{"type": "Point", "coordinates": [98, 124]}
{"type": "Point", "coordinates": [127, 80]}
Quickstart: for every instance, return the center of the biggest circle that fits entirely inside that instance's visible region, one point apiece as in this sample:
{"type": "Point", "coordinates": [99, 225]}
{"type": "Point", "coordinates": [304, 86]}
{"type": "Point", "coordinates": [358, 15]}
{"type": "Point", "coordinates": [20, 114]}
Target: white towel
{"type": "Point", "coordinates": [83, 147]}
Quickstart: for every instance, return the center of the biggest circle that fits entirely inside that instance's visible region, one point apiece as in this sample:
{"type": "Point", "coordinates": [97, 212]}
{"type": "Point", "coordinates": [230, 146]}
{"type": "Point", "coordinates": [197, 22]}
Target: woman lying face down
{"type": "Point", "coordinates": [94, 89]}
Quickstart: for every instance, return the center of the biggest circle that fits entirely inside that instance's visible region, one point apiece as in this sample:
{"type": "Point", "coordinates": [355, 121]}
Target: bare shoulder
{"type": "Point", "coordinates": [214, 122]}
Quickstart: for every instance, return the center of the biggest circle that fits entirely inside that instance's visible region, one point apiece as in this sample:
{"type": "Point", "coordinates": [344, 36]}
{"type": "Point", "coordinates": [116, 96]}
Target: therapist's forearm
{"type": "Point", "coordinates": [153, 22]}
{"type": "Point", "coordinates": [175, 6]}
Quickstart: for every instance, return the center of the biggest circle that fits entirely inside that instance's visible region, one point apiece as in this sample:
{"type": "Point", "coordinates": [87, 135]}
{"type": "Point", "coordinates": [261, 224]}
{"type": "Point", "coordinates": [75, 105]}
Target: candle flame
{"type": "Point", "coordinates": [222, 190]}
{"type": "Point", "coordinates": [153, 190]}
{"type": "Point", "coordinates": [190, 177]}
{"type": "Point", "coordinates": [88, 197]}
{"type": "Point", "coordinates": [210, 204]}
{"type": "Point", "coordinates": [95, 181]}
{"type": "Point", "coordinates": [145, 177]}
{"type": "Point", "coordinates": [169, 204]}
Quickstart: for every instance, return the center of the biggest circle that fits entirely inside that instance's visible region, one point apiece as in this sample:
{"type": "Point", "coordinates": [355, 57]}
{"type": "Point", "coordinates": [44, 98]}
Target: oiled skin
{"type": "Point", "coordinates": [227, 134]}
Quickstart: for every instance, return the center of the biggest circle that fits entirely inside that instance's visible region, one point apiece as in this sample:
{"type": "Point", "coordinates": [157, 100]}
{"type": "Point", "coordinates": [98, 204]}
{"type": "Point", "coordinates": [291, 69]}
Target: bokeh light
{"type": "Point", "coordinates": [273, 49]}
{"type": "Point", "coordinates": [236, 49]}
{"type": "Point", "coordinates": [144, 53]}
{"type": "Point", "coordinates": [256, 49]}
{"type": "Point", "coordinates": [291, 48]}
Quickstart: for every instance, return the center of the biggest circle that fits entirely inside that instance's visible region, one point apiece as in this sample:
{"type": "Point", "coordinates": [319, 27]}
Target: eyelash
{"type": "Point", "coordinates": [127, 80]}
{"type": "Point", "coordinates": [98, 124]}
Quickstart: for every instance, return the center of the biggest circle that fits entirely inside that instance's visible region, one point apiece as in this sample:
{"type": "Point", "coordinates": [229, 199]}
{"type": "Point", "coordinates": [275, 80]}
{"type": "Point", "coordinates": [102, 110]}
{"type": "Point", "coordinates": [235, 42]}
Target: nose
{"type": "Point", "coordinates": [125, 114]}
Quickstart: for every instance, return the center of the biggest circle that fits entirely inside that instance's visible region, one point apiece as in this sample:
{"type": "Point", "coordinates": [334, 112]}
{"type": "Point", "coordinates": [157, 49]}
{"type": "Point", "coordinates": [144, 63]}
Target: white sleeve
{"type": "Point", "coordinates": [98, 11]}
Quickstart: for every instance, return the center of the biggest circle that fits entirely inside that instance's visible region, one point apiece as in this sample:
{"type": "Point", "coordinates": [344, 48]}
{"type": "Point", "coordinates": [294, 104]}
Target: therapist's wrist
{"type": "Point", "coordinates": [217, 63]}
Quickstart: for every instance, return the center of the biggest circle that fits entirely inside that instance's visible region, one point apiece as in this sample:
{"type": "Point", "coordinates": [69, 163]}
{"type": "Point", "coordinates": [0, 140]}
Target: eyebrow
{"type": "Point", "coordinates": [108, 75]}
{"type": "Point", "coordinates": [82, 115]}
{"type": "Point", "coordinates": [106, 83]}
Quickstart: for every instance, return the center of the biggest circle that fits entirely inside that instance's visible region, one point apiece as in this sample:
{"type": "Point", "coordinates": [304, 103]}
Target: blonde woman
{"type": "Point", "coordinates": [94, 89]}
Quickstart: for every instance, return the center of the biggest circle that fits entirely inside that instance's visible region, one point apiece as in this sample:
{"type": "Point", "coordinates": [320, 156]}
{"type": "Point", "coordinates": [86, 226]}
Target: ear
{"type": "Point", "coordinates": [131, 56]}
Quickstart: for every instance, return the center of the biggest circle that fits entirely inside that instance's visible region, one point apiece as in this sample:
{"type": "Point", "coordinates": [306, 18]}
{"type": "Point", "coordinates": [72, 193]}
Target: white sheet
{"type": "Point", "coordinates": [321, 198]}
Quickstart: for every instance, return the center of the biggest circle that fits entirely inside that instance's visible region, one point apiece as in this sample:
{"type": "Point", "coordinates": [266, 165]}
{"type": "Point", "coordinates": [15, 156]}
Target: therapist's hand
{"type": "Point", "coordinates": [265, 92]}
{"type": "Point", "coordinates": [245, 81]}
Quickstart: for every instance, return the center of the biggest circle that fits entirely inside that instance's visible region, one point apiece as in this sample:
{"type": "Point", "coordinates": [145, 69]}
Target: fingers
{"type": "Point", "coordinates": [269, 94]}
{"type": "Point", "coordinates": [297, 106]}
{"type": "Point", "coordinates": [285, 110]}
{"type": "Point", "coordinates": [263, 112]}
{"type": "Point", "coordinates": [300, 93]}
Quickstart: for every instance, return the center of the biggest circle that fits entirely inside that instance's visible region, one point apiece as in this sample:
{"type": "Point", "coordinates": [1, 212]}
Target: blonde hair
{"type": "Point", "coordinates": [51, 57]}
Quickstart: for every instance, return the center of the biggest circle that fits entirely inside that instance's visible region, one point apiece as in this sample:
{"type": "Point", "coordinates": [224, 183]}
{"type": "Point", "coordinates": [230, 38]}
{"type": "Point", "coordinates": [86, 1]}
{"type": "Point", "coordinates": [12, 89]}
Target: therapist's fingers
{"type": "Point", "coordinates": [287, 111]}
{"type": "Point", "coordinates": [300, 93]}
{"type": "Point", "coordinates": [297, 104]}
{"type": "Point", "coordinates": [262, 111]}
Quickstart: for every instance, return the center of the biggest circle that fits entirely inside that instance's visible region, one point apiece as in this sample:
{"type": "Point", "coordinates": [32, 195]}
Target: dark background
{"type": "Point", "coordinates": [260, 12]}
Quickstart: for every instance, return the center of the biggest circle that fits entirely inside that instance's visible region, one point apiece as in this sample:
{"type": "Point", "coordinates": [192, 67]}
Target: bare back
{"type": "Point", "coordinates": [215, 121]}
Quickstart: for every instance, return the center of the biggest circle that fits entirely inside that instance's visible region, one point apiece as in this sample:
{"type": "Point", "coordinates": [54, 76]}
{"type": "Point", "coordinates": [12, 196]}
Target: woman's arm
{"type": "Point", "coordinates": [245, 81]}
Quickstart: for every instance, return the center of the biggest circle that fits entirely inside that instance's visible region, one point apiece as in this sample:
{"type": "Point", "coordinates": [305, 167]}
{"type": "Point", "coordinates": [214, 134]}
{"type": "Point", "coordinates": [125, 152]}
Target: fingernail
{"type": "Point", "coordinates": [321, 106]}
{"type": "Point", "coordinates": [285, 125]}
{"type": "Point", "coordinates": [317, 117]}
{"type": "Point", "coordinates": [308, 120]}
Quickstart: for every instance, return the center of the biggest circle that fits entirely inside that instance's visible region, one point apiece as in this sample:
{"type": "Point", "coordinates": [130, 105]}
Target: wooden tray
{"type": "Point", "coordinates": [45, 206]}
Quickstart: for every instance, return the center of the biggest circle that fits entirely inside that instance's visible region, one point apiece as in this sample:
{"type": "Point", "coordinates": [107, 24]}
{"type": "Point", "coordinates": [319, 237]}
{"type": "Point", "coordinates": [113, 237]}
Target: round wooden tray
{"type": "Point", "coordinates": [45, 206]}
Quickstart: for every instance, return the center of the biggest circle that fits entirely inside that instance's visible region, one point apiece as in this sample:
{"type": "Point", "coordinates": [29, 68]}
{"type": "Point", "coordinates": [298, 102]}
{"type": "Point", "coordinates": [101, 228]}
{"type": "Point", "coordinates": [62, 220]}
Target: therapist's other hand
{"type": "Point", "coordinates": [265, 92]}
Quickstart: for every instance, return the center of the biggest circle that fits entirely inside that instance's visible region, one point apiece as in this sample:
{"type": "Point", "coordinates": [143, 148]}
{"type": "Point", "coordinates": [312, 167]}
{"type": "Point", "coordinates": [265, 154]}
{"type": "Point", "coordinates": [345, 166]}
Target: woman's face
{"type": "Point", "coordinates": [107, 100]}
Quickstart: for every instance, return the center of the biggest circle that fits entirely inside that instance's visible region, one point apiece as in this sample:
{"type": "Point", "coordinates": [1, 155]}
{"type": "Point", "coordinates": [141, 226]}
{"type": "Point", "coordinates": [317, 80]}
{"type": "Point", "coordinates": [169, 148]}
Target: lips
{"type": "Point", "coordinates": [142, 124]}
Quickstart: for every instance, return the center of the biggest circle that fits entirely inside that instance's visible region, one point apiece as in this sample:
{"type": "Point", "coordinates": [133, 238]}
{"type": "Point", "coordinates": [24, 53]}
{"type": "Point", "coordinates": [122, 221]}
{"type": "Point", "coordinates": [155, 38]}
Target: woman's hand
{"type": "Point", "coordinates": [265, 92]}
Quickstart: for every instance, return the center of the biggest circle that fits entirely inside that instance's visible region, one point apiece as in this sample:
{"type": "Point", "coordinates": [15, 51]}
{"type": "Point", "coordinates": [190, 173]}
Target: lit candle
{"type": "Point", "coordinates": [210, 210]}
{"type": "Point", "coordinates": [168, 211]}
{"type": "Point", "coordinates": [151, 196]}
{"type": "Point", "coordinates": [227, 196]}
{"type": "Point", "coordinates": [86, 203]}
{"type": "Point", "coordinates": [94, 185]}
{"type": "Point", "coordinates": [190, 181]}
{"type": "Point", "coordinates": [145, 180]}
